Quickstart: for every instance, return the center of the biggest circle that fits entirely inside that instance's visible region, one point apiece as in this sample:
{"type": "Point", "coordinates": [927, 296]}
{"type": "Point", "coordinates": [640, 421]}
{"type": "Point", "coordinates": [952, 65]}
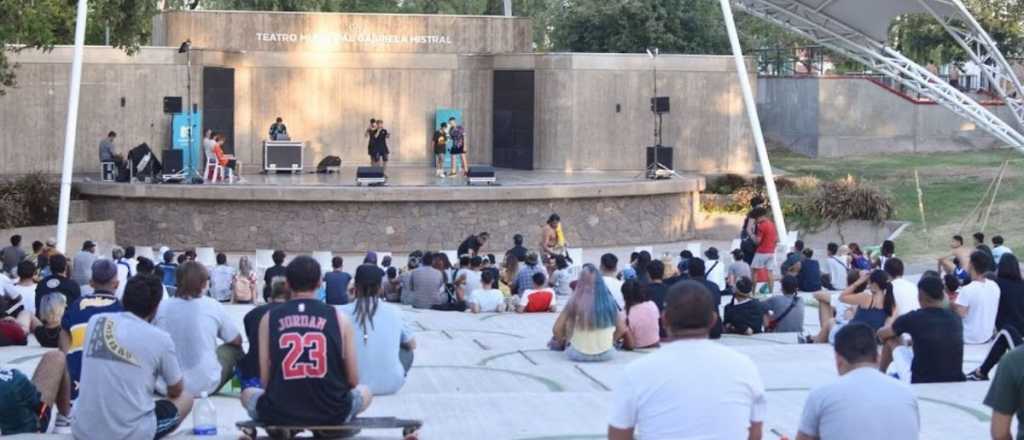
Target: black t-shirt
{"type": "Point", "coordinates": [938, 335]}
{"type": "Point", "coordinates": [809, 275]}
{"type": "Point", "coordinates": [440, 140]}
{"type": "Point", "coordinates": [656, 292]}
{"type": "Point", "coordinates": [268, 278]}
{"type": "Point", "coordinates": [1011, 304]}
{"type": "Point", "coordinates": [250, 364]}
{"type": "Point", "coordinates": [57, 283]}
{"type": "Point", "coordinates": [747, 315]}
{"type": "Point", "coordinates": [716, 295]}
{"type": "Point", "coordinates": [471, 242]}
{"type": "Point", "coordinates": [520, 252]}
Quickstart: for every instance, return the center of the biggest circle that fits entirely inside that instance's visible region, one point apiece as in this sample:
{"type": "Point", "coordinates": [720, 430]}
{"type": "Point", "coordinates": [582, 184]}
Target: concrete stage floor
{"type": "Point", "coordinates": [490, 377]}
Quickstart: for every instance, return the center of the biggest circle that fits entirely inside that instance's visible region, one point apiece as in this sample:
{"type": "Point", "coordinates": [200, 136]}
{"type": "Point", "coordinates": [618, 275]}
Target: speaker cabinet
{"type": "Point", "coordinates": [172, 104]}
{"type": "Point", "coordinates": [660, 104]}
{"type": "Point", "coordinates": [172, 161]}
{"type": "Point", "coordinates": [664, 156]}
{"type": "Point", "coordinates": [370, 176]}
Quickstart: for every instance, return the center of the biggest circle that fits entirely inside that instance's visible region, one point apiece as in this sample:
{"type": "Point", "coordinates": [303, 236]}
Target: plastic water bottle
{"type": "Point", "coordinates": [204, 417]}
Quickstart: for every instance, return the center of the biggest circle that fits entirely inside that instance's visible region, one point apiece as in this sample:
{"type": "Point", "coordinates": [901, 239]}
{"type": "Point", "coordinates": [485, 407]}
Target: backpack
{"type": "Point", "coordinates": [243, 289]}
{"type": "Point", "coordinates": [329, 161]}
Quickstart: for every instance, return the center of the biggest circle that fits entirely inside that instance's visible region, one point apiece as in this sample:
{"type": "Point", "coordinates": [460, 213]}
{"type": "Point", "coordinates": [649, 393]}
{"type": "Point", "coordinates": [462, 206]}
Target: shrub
{"type": "Point", "coordinates": [29, 200]}
{"type": "Point", "coordinates": [726, 183]}
{"type": "Point", "coordinates": [848, 199]}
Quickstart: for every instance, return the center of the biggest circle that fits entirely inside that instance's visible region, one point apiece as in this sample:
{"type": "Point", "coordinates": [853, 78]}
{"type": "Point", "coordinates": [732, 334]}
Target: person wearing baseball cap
{"type": "Point", "coordinates": [384, 343]}
{"type": "Point", "coordinates": [937, 353]}
{"type": "Point", "coordinates": [102, 299]}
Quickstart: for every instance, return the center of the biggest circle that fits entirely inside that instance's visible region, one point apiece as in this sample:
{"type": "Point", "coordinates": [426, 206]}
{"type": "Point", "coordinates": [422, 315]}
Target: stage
{"type": "Point", "coordinates": [416, 210]}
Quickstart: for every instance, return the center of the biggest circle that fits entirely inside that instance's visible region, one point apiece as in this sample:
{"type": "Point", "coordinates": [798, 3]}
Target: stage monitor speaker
{"type": "Point", "coordinates": [172, 160]}
{"type": "Point", "coordinates": [664, 156]}
{"type": "Point", "coordinates": [370, 176]}
{"type": "Point", "coordinates": [172, 104]}
{"type": "Point", "coordinates": [481, 174]}
{"type": "Point", "coordinates": [660, 104]}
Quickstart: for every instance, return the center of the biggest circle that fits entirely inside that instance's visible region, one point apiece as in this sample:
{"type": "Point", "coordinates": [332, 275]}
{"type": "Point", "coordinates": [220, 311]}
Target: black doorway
{"type": "Point", "coordinates": [219, 104]}
{"type": "Point", "coordinates": [513, 119]}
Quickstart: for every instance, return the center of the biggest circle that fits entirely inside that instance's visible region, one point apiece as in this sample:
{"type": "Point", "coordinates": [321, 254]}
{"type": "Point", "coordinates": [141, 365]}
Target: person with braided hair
{"type": "Point", "coordinates": [384, 344]}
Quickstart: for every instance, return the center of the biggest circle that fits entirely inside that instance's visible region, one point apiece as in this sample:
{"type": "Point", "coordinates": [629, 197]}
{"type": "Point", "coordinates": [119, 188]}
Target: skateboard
{"type": "Point", "coordinates": [350, 429]}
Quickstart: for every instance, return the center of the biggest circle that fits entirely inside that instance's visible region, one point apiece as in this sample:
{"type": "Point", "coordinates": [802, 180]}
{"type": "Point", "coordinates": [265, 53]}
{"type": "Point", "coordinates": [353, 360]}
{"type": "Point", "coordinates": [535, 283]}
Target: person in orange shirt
{"type": "Point", "coordinates": [223, 159]}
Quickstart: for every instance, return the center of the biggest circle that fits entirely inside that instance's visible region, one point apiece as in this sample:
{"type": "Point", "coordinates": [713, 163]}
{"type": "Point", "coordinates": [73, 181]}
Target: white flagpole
{"type": "Point", "coordinates": [70, 128]}
{"type": "Point", "coordinates": [755, 122]}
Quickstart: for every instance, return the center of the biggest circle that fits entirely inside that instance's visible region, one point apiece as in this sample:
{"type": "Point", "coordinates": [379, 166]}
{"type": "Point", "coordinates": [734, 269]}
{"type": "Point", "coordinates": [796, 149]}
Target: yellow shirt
{"type": "Point", "coordinates": [594, 341]}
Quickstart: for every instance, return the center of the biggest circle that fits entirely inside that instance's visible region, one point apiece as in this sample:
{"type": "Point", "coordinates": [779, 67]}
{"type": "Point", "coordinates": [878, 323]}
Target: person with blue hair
{"type": "Point", "coordinates": [590, 326]}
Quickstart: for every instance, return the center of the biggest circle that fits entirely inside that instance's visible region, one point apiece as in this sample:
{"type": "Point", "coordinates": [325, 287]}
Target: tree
{"type": "Point", "coordinates": [922, 38]}
{"type": "Point", "coordinates": [41, 24]}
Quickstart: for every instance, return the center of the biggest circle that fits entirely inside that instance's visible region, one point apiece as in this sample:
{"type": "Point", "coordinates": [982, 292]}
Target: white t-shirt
{"type": "Point", "coordinates": [689, 389]}
{"type": "Point", "coordinates": [221, 278]}
{"type": "Point", "coordinates": [487, 299]}
{"type": "Point", "coordinates": [473, 282]}
{"type": "Point", "coordinates": [122, 279]}
{"type": "Point", "coordinates": [615, 287]}
{"type": "Point", "coordinates": [982, 301]}
{"type": "Point", "coordinates": [905, 293]}
{"type": "Point", "coordinates": [195, 325]}
{"type": "Point", "coordinates": [716, 274]}
{"type": "Point", "coordinates": [27, 293]}
{"type": "Point", "coordinates": [836, 269]}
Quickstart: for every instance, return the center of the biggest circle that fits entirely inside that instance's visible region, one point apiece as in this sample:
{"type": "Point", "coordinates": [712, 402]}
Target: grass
{"type": "Point", "coordinates": [952, 185]}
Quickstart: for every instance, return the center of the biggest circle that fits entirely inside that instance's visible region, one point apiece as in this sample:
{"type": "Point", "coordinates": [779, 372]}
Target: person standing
{"type": "Point", "coordinates": [123, 356]}
{"type": "Point", "coordinates": [458, 136]}
{"type": "Point", "coordinates": [472, 244]}
{"type": "Point", "coordinates": [713, 392]}
{"type": "Point", "coordinates": [81, 265]}
{"type": "Point", "coordinates": [767, 238]}
{"type": "Point", "coordinates": [370, 134]}
{"type": "Point", "coordinates": [863, 403]}
{"type": "Point", "coordinates": [379, 146]}
{"type": "Point", "coordinates": [12, 255]}
{"type": "Point", "coordinates": [440, 143]}
{"type": "Point", "coordinates": [278, 131]}
{"type": "Point", "coordinates": [552, 240]}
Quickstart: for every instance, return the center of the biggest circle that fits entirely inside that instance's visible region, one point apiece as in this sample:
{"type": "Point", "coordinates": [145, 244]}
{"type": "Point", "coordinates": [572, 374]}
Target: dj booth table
{"type": "Point", "coordinates": [283, 155]}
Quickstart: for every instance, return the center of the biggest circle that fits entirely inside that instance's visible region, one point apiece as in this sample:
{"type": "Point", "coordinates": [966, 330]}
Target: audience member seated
{"type": "Point", "coordinates": [833, 314]}
{"type": "Point", "coordinates": [248, 369]}
{"type": "Point", "coordinates": [58, 282]}
{"type": "Point", "coordinates": [74, 324]}
{"type": "Point", "coordinates": [385, 344]}
{"type": "Point", "coordinates": [243, 286]}
{"type": "Point", "coordinates": [277, 270]}
{"type": "Point", "coordinates": [744, 315]}
{"type": "Point", "coordinates": [785, 313]}
{"type": "Point", "coordinates": [697, 270]}
{"type": "Point", "coordinates": [312, 394]}
{"type": "Point", "coordinates": [539, 298]}
{"type": "Point", "coordinates": [642, 316]}
{"type": "Point", "coordinates": [977, 302]}
{"type": "Point", "coordinates": [713, 391]}
{"type": "Point", "coordinates": [998, 249]}
{"type": "Point", "coordinates": [426, 283]}
{"type": "Point", "coordinates": [1009, 317]}
{"type": "Point", "coordinates": [1004, 395]}
{"type": "Point", "coordinates": [810, 273]}
{"type": "Point", "coordinates": [168, 271]}
{"type": "Point", "coordinates": [863, 403]}
{"type": "Point", "coordinates": [21, 297]}
{"type": "Point", "coordinates": [561, 279]}
{"type": "Point", "coordinates": [736, 270]}
{"type": "Point", "coordinates": [936, 334]}
{"type": "Point", "coordinates": [905, 292]}
{"type": "Point", "coordinates": [590, 326]}
{"type": "Point", "coordinates": [715, 269]}
{"type": "Point", "coordinates": [11, 255]}
{"type": "Point", "coordinates": [655, 288]}
{"type": "Point", "coordinates": [195, 322]}
{"type": "Point", "coordinates": [487, 299]}
{"type": "Point", "coordinates": [124, 270]}
{"type": "Point", "coordinates": [468, 277]}
{"type": "Point", "coordinates": [51, 313]}
{"type": "Point", "coordinates": [26, 406]}
{"type": "Point", "coordinates": [876, 307]}
{"type": "Point", "coordinates": [221, 278]}
{"type": "Point", "coordinates": [525, 276]}
{"type": "Point", "coordinates": [337, 281]}
{"type": "Point", "coordinates": [836, 268]}
{"type": "Point", "coordinates": [391, 289]}
{"type": "Point", "coordinates": [609, 271]}
{"type": "Point", "coordinates": [125, 357]}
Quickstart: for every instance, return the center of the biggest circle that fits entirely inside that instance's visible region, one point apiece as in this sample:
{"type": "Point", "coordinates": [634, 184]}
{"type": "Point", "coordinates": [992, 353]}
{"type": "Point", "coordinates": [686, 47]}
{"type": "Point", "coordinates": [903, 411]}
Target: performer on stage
{"type": "Point", "coordinates": [458, 136]}
{"type": "Point", "coordinates": [440, 141]}
{"type": "Point", "coordinates": [278, 131]}
{"type": "Point", "coordinates": [369, 134]}
{"type": "Point", "coordinates": [379, 145]}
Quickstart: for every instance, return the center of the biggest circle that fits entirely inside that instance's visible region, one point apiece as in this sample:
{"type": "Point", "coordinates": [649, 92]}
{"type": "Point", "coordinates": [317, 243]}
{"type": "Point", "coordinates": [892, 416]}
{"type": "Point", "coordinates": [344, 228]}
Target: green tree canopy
{"type": "Point", "coordinates": [922, 38]}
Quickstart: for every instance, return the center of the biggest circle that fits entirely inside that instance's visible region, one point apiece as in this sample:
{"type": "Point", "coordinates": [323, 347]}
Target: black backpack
{"type": "Point", "coordinates": [329, 161]}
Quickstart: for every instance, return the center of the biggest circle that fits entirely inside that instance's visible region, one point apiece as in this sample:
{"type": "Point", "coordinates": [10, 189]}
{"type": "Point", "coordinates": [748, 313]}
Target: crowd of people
{"type": "Point", "coordinates": [325, 341]}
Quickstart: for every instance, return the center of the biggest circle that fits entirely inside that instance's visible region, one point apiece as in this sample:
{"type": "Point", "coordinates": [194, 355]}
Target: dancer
{"type": "Point", "coordinates": [370, 134]}
{"type": "Point", "coordinates": [379, 146]}
{"type": "Point", "coordinates": [440, 142]}
{"type": "Point", "coordinates": [458, 136]}
{"type": "Point", "coordinates": [552, 238]}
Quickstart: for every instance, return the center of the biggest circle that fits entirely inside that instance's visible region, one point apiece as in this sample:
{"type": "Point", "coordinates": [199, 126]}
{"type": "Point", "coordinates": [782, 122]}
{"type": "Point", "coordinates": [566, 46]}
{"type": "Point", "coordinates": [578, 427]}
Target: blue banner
{"type": "Point", "coordinates": [192, 155]}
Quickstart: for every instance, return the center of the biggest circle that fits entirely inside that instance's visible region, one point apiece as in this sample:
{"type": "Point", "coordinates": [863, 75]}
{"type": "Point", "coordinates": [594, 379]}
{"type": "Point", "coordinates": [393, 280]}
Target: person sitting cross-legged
{"type": "Point", "coordinates": [308, 366]}
{"type": "Point", "coordinates": [642, 315]}
{"type": "Point", "coordinates": [539, 298]}
{"type": "Point", "coordinates": [248, 368]}
{"type": "Point", "coordinates": [122, 359]}
{"type": "Point", "coordinates": [590, 326]}
{"type": "Point", "coordinates": [937, 335]}
{"type": "Point", "coordinates": [195, 323]}
{"type": "Point", "coordinates": [384, 344]}
{"type": "Point", "coordinates": [744, 315]}
{"type": "Point", "coordinates": [713, 391]}
{"type": "Point", "coordinates": [26, 406]}
{"type": "Point", "coordinates": [863, 403]}
{"type": "Point", "coordinates": [75, 322]}
{"type": "Point", "coordinates": [487, 298]}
